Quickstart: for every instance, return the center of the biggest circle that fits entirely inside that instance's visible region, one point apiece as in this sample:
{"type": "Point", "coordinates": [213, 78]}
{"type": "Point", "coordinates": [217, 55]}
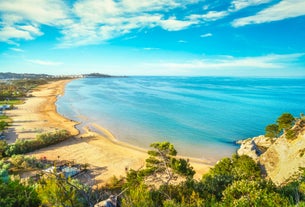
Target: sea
{"type": "Point", "coordinates": [202, 116]}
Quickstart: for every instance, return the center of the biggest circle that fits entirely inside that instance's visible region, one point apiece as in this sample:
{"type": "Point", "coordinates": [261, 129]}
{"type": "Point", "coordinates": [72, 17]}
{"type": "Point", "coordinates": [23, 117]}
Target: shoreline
{"type": "Point", "coordinates": [84, 125]}
{"type": "Point", "coordinates": [38, 113]}
{"type": "Point", "coordinates": [115, 141]}
{"type": "Point", "coordinates": [106, 155]}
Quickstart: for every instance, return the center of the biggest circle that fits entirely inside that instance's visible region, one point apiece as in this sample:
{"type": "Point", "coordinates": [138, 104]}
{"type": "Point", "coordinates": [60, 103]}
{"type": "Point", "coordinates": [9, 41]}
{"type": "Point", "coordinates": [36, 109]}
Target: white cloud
{"type": "Point", "coordinates": [9, 32]}
{"type": "Point", "coordinates": [16, 49]}
{"type": "Point", "coordinates": [151, 48]}
{"type": "Point", "coordinates": [214, 15]}
{"type": "Point", "coordinates": [44, 62]}
{"type": "Point", "coordinates": [21, 19]}
{"type": "Point", "coordinates": [33, 30]}
{"type": "Point", "coordinates": [44, 12]}
{"type": "Point", "coordinates": [210, 16]}
{"type": "Point", "coordinates": [205, 7]}
{"type": "Point", "coordinates": [92, 32]}
{"type": "Point", "coordinates": [86, 22]}
{"type": "Point", "coordinates": [172, 24]}
{"type": "Point", "coordinates": [100, 20]}
{"type": "Point", "coordinates": [26, 32]}
{"type": "Point", "coordinates": [241, 4]}
{"type": "Point", "coordinates": [206, 35]}
{"type": "Point", "coordinates": [150, 5]}
{"type": "Point", "coordinates": [283, 10]}
{"type": "Point", "coordinates": [96, 11]}
{"type": "Point", "coordinates": [265, 62]}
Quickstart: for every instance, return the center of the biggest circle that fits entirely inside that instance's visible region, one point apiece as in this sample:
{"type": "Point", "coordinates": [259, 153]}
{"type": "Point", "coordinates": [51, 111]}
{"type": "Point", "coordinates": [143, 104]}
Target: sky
{"type": "Point", "coordinates": [154, 37]}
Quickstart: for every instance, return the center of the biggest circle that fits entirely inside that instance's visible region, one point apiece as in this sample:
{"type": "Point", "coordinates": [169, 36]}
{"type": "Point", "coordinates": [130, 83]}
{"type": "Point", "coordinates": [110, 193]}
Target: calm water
{"type": "Point", "coordinates": [201, 116]}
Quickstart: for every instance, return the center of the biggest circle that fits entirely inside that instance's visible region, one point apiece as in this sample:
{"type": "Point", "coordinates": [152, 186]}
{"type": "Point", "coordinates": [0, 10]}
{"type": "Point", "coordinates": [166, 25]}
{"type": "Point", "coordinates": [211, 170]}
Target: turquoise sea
{"type": "Point", "coordinates": [201, 116]}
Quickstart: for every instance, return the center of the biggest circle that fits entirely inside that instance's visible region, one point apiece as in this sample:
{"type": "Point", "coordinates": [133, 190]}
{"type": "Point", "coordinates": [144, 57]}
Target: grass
{"type": "Point", "coordinates": [14, 102]}
{"type": "Point", "coordinates": [5, 118]}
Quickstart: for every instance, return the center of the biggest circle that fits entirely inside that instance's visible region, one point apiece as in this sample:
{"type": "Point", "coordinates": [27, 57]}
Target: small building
{"type": "Point", "coordinates": [4, 107]}
{"type": "Point", "coordinates": [2, 135]}
{"type": "Point", "coordinates": [66, 170]}
{"type": "Point", "coordinates": [49, 170]}
{"type": "Point", "coordinates": [70, 171]}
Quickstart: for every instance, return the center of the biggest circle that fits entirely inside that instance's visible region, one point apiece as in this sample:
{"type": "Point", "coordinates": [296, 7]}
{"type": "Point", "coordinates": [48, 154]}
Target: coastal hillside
{"type": "Point", "coordinates": [280, 158]}
{"type": "Point", "coordinates": [92, 168]}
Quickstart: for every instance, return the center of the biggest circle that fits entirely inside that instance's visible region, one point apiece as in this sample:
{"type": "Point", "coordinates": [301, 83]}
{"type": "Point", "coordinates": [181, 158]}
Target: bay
{"type": "Point", "coordinates": [202, 116]}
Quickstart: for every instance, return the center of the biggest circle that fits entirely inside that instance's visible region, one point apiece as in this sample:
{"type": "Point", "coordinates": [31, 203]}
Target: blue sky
{"type": "Point", "coordinates": [153, 37]}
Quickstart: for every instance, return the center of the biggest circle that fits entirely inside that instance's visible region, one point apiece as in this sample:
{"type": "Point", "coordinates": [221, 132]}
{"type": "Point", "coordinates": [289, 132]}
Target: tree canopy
{"type": "Point", "coordinates": [272, 130]}
{"type": "Point", "coordinates": [283, 124]}
{"type": "Point", "coordinates": [285, 121]}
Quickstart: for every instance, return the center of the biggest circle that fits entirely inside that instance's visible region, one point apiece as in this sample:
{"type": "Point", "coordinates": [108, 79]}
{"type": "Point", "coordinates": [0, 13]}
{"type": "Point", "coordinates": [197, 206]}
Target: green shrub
{"type": "Point", "coordinates": [272, 130]}
{"type": "Point", "coordinates": [252, 193]}
{"type": "Point", "coordinates": [13, 193]}
{"type": "Point", "coordinates": [3, 125]}
{"type": "Point", "coordinates": [138, 197]}
{"type": "Point", "coordinates": [290, 134]}
{"type": "Point", "coordinates": [225, 172]}
{"type": "Point", "coordinates": [24, 162]}
{"type": "Point", "coordinates": [285, 121]}
{"type": "Point", "coordinates": [42, 140]}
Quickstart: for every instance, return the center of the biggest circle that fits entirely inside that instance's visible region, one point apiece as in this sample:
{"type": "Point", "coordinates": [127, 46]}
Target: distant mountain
{"type": "Point", "coordinates": [100, 75]}
{"type": "Point", "coordinates": [12, 76]}
{"type": "Point", "coordinates": [9, 75]}
{"type": "Point", "coordinates": [96, 75]}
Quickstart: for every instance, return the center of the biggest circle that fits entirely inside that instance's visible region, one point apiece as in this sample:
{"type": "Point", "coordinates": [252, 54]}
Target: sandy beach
{"type": "Point", "coordinates": [105, 155]}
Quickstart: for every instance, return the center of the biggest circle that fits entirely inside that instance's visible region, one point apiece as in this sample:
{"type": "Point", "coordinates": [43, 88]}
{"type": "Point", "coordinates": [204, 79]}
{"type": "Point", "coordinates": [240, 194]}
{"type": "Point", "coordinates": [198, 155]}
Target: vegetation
{"type": "Point", "coordinates": [11, 93]}
{"type": "Point", "coordinates": [14, 193]}
{"type": "Point", "coordinates": [162, 166]}
{"type": "Point", "coordinates": [272, 130]}
{"type": "Point", "coordinates": [165, 181]}
{"type": "Point", "coordinates": [4, 122]}
{"type": "Point", "coordinates": [42, 140]}
{"type": "Point", "coordinates": [283, 124]}
{"type": "Point", "coordinates": [24, 162]}
{"type": "Point", "coordinates": [252, 193]}
{"type": "Point", "coordinates": [12, 90]}
{"type": "Point", "coordinates": [3, 125]}
{"type": "Point", "coordinates": [235, 181]}
{"type": "Point", "coordinates": [56, 191]}
{"type": "Point", "coordinates": [11, 102]}
{"type": "Point", "coordinates": [290, 134]}
{"type": "Point", "coordinates": [285, 121]}
{"type": "Point", "coordinates": [4, 167]}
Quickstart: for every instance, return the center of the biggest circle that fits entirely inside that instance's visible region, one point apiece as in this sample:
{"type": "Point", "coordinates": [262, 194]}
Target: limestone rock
{"type": "Point", "coordinates": [254, 147]}
{"type": "Point", "coordinates": [283, 159]}
{"type": "Point", "coordinates": [280, 158]}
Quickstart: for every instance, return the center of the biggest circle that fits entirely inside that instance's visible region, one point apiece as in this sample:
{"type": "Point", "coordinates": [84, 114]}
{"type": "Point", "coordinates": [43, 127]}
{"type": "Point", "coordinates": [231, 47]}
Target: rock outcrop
{"type": "Point", "coordinates": [280, 158]}
{"type": "Point", "coordinates": [255, 147]}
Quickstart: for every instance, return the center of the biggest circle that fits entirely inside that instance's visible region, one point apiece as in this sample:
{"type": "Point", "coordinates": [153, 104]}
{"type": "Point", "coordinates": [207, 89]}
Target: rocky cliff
{"type": "Point", "coordinates": [280, 158]}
